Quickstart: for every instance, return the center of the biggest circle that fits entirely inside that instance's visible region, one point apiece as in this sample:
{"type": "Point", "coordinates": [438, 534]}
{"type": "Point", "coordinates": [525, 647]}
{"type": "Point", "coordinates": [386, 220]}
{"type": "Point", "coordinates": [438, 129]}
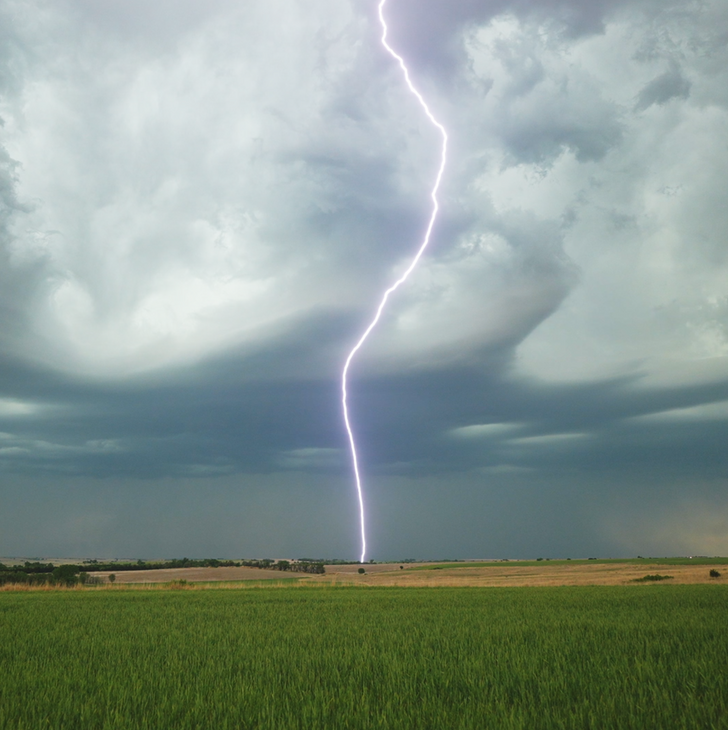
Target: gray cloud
{"type": "Point", "coordinates": [669, 85]}
{"type": "Point", "coordinates": [200, 206]}
{"type": "Point", "coordinates": [435, 40]}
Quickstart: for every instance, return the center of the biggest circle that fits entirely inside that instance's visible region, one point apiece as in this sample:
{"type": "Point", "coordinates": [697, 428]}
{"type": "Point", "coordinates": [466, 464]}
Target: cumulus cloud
{"type": "Point", "coordinates": [174, 196]}
{"type": "Point", "coordinates": [650, 292]}
{"type": "Point", "coordinates": [200, 206]}
{"type": "Point", "coordinates": [191, 196]}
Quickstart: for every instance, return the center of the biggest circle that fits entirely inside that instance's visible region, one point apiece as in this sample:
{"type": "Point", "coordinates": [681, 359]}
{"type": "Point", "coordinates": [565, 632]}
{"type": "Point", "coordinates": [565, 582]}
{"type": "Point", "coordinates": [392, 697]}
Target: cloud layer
{"type": "Point", "coordinates": [200, 206]}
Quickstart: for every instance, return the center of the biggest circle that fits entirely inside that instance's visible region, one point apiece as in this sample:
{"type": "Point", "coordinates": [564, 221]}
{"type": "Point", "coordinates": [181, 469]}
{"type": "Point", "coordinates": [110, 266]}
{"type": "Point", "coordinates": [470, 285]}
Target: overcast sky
{"type": "Point", "coordinates": [200, 204]}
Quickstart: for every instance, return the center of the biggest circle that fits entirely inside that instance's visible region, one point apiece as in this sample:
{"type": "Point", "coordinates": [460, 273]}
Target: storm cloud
{"type": "Point", "coordinates": [200, 206]}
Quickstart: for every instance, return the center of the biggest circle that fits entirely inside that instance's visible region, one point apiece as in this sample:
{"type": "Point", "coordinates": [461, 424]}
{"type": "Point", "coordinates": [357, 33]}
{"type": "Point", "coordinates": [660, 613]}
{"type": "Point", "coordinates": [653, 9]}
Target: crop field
{"type": "Point", "coordinates": [640, 656]}
{"type": "Point", "coordinates": [528, 573]}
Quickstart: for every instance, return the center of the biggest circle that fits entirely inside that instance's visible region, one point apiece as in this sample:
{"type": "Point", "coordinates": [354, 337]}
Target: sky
{"type": "Point", "coordinates": [200, 205]}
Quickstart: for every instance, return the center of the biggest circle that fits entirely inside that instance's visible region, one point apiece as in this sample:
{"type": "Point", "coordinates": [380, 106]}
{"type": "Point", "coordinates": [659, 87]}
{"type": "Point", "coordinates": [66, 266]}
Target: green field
{"type": "Point", "coordinates": [642, 656]}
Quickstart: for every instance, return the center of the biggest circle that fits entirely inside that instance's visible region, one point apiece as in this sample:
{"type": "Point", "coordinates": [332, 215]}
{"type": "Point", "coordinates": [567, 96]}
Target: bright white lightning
{"type": "Point", "coordinates": [402, 278]}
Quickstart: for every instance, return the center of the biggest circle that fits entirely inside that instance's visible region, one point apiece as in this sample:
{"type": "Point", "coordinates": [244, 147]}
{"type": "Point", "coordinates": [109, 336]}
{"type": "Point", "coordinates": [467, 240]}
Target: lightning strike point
{"type": "Point", "coordinates": [398, 282]}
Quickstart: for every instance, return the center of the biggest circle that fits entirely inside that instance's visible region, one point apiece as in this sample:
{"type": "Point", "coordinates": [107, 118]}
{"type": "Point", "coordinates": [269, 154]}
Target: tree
{"type": "Point", "coordinates": [112, 578]}
{"type": "Point", "coordinates": [361, 571]}
{"type": "Point", "coordinates": [66, 574]}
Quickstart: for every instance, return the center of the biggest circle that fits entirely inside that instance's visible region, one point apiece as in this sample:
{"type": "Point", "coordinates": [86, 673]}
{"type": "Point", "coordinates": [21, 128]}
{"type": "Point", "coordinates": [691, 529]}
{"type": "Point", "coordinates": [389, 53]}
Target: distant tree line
{"type": "Point", "coordinates": [299, 566]}
{"type": "Point", "coordinates": [37, 573]}
{"type": "Point", "coordinates": [57, 575]}
{"type": "Point", "coordinates": [264, 563]}
{"type": "Point", "coordinates": [95, 565]}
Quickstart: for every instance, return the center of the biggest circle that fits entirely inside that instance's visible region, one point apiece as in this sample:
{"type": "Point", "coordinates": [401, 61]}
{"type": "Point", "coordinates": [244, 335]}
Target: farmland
{"type": "Point", "coordinates": [503, 573]}
{"type": "Point", "coordinates": [335, 657]}
{"type": "Point", "coordinates": [527, 573]}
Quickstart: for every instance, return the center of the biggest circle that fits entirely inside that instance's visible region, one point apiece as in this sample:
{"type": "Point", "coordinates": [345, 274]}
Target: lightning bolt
{"type": "Point", "coordinates": [399, 282]}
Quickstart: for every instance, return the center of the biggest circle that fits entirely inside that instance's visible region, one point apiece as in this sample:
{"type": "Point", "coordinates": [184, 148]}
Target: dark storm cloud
{"type": "Point", "coordinates": [202, 419]}
{"type": "Point", "coordinates": [209, 420]}
{"type": "Point", "coordinates": [201, 205]}
{"type": "Point", "coordinates": [462, 420]}
{"type": "Point", "coordinates": [432, 32]}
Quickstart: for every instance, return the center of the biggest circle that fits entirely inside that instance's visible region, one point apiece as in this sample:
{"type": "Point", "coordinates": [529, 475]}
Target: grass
{"type": "Point", "coordinates": [151, 586]}
{"type": "Point", "coordinates": [182, 583]}
{"type": "Point", "coordinates": [333, 657]}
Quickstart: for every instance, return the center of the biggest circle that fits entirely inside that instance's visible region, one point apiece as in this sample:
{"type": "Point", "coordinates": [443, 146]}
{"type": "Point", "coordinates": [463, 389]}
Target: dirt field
{"type": "Point", "coordinates": [194, 575]}
{"type": "Point", "coordinates": [498, 574]}
{"type": "Point", "coordinates": [511, 574]}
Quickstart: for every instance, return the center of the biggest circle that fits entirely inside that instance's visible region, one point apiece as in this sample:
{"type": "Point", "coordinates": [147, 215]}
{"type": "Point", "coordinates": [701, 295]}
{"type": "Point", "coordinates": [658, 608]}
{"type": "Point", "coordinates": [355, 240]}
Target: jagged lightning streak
{"type": "Point", "coordinates": [401, 280]}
